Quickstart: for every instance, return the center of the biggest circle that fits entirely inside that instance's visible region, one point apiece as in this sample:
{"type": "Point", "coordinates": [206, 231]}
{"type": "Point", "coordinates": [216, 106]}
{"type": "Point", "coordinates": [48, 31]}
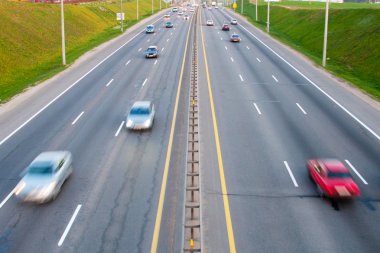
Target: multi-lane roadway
{"type": "Point", "coordinates": [264, 111]}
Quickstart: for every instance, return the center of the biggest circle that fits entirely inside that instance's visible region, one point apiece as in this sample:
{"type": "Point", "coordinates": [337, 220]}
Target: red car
{"type": "Point", "coordinates": [225, 27]}
{"type": "Point", "coordinates": [333, 179]}
{"type": "Point", "coordinates": [235, 38]}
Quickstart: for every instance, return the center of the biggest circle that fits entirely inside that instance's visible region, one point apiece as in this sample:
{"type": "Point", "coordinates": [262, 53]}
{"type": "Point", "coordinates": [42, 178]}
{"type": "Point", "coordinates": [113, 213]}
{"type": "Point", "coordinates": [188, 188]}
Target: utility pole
{"type": "Point", "coordinates": [63, 35]}
{"type": "Point", "coordinates": [242, 3]}
{"type": "Point", "coordinates": [137, 9]}
{"type": "Point", "coordinates": [256, 10]}
{"type": "Point", "coordinates": [152, 6]}
{"type": "Point", "coordinates": [268, 17]}
{"type": "Point", "coordinates": [325, 35]}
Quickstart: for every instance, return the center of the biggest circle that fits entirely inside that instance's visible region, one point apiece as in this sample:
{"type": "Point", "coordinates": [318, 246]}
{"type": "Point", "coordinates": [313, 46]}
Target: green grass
{"type": "Point", "coordinates": [353, 48]}
{"type": "Point", "coordinates": [30, 37]}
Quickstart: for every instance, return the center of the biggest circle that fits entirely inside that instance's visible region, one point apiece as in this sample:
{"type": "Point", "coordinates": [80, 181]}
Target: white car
{"type": "Point", "coordinates": [180, 13]}
{"type": "Point", "coordinates": [44, 177]}
{"type": "Point", "coordinates": [233, 22]}
{"type": "Point", "coordinates": [210, 22]}
{"type": "Point", "coordinates": [186, 17]}
{"type": "Point", "coordinates": [141, 116]}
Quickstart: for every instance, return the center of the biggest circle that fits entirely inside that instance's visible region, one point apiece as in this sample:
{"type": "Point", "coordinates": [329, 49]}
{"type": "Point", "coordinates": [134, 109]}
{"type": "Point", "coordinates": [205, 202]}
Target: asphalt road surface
{"type": "Point", "coordinates": [264, 111]}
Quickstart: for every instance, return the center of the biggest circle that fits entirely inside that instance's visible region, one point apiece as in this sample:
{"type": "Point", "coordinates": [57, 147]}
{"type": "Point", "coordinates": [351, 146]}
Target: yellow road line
{"type": "Point", "coordinates": [230, 231]}
{"type": "Point", "coordinates": [161, 201]}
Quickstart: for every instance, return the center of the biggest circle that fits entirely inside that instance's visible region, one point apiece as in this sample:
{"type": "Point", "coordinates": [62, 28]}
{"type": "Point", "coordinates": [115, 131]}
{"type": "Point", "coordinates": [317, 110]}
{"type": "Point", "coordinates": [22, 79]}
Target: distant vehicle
{"type": "Point", "coordinates": [332, 178]}
{"type": "Point", "coordinates": [186, 17]}
{"type": "Point", "coordinates": [141, 116]}
{"type": "Point", "coordinates": [149, 29]}
{"type": "Point", "coordinates": [235, 38]}
{"type": "Point", "coordinates": [213, 3]}
{"type": "Point", "coordinates": [151, 52]}
{"type": "Point", "coordinates": [191, 9]}
{"type": "Point", "coordinates": [169, 24]}
{"type": "Point", "coordinates": [180, 13]}
{"type": "Point", "coordinates": [174, 9]}
{"type": "Point", "coordinates": [210, 22]}
{"type": "Point", "coordinates": [45, 176]}
{"type": "Point", "coordinates": [233, 22]}
{"type": "Point", "coordinates": [225, 27]}
{"type": "Point", "coordinates": [166, 16]}
{"type": "Point", "coordinates": [216, 7]}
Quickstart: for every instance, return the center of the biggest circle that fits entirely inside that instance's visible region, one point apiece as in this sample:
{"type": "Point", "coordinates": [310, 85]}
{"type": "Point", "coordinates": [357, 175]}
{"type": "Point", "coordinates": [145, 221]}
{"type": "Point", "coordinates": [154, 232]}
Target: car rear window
{"type": "Point", "coordinates": [140, 111]}
{"type": "Point", "coordinates": [338, 174]}
{"type": "Point", "coordinates": [41, 168]}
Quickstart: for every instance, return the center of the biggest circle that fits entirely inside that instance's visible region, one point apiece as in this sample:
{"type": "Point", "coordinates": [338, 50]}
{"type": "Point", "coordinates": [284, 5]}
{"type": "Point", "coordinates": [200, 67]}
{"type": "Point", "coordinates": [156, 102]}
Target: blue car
{"type": "Point", "coordinates": [169, 24]}
{"type": "Point", "coordinates": [149, 29]}
{"type": "Point", "coordinates": [151, 52]}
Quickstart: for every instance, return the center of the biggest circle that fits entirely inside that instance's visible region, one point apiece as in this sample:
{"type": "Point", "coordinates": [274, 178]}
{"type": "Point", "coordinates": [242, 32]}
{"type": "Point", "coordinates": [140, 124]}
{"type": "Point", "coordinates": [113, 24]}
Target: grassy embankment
{"type": "Point", "coordinates": [30, 37]}
{"type": "Point", "coordinates": [353, 49]}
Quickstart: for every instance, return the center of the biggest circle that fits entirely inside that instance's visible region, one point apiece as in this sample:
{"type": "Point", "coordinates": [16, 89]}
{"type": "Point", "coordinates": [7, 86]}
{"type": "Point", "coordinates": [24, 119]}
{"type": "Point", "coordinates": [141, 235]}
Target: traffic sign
{"type": "Point", "coordinates": [120, 16]}
{"type": "Point", "coordinates": [234, 6]}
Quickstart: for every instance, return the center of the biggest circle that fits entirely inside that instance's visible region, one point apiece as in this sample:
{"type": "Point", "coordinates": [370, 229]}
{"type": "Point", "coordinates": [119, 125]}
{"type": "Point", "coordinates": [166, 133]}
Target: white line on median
{"type": "Point", "coordinates": [163, 49]}
{"type": "Point", "coordinates": [257, 108]}
{"type": "Point", "coordinates": [232, 59]}
{"type": "Point", "coordinates": [258, 59]}
{"type": "Point", "coordinates": [127, 62]}
{"type": "Point", "coordinates": [77, 118]}
{"type": "Point", "coordinates": [7, 198]}
{"type": "Point", "coordinates": [275, 78]}
{"type": "Point", "coordinates": [146, 79]}
{"type": "Point", "coordinates": [225, 47]}
{"type": "Point", "coordinates": [140, 49]}
{"type": "Point", "coordinates": [119, 129]}
{"type": "Point", "coordinates": [356, 172]}
{"type": "Point", "coordinates": [109, 82]}
{"type": "Point", "coordinates": [291, 174]}
{"type": "Point", "coordinates": [304, 112]}
{"type": "Point", "coordinates": [241, 78]}
{"type": "Point", "coordinates": [69, 226]}
{"type": "Point", "coordinates": [167, 40]}
{"type": "Point", "coordinates": [155, 62]}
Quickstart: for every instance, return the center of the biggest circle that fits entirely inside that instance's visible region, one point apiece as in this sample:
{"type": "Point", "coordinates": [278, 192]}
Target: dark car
{"type": "Point", "coordinates": [169, 24]}
{"type": "Point", "coordinates": [225, 27]}
{"type": "Point", "coordinates": [151, 52]}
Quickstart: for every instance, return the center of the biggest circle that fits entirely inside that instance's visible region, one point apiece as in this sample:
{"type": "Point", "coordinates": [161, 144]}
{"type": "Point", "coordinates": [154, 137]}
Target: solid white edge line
{"type": "Point", "coordinates": [7, 198]}
{"type": "Point", "coordinates": [356, 172]}
{"type": "Point", "coordinates": [291, 174]}
{"type": "Point", "coordinates": [68, 88]}
{"type": "Point", "coordinates": [146, 79]}
{"type": "Point", "coordinates": [232, 59]}
{"type": "Point", "coordinates": [119, 129]}
{"type": "Point", "coordinates": [69, 226]}
{"type": "Point", "coordinates": [77, 118]}
{"type": "Point", "coordinates": [304, 112]}
{"type": "Point", "coordinates": [258, 59]}
{"type": "Point", "coordinates": [316, 86]}
{"type": "Point", "coordinates": [257, 108]}
{"type": "Point", "coordinates": [127, 62]}
{"type": "Point", "coordinates": [241, 78]}
{"type": "Point", "coordinates": [109, 82]}
{"type": "Point", "coordinates": [275, 78]}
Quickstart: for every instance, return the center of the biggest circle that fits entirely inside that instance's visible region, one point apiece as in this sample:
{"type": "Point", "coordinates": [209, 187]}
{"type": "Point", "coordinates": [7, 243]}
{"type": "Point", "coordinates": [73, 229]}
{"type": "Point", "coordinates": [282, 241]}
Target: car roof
{"type": "Point", "coordinates": [141, 104]}
{"type": "Point", "coordinates": [333, 165]}
{"type": "Point", "coordinates": [155, 47]}
{"type": "Point", "coordinates": [51, 156]}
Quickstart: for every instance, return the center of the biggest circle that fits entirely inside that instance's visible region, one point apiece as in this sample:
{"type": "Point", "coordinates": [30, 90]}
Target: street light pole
{"type": "Point", "coordinates": [137, 10]}
{"type": "Point", "coordinates": [160, 4]}
{"type": "Point", "coordinates": [122, 16]}
{"type": "Point", "coordinates": [63, 35]}
{"type": "Point", "coordinates": [268, 17]}
{"type": "Point", "coordinates": [256, 10]}
{"type": "Point", "coordinates": [152, 6]}
{"type": "Point", "coordinates": [242, 3]}
{"type": "Point", "coordinates": [325, 35]}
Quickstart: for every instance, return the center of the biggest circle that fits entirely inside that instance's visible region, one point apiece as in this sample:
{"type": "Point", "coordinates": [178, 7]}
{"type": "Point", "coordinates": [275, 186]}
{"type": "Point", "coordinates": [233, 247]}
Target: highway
{"type": "Point", "coordinates": [264, 111]}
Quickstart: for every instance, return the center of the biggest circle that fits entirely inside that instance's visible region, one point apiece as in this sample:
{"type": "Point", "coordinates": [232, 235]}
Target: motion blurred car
{"type": "Point", "coordinates": [174, 9]}
{"type": "Point", "coordinates": [216, 7]}
{"type": "Point", "coordinates": [180, 13]}
{"type": "Point", "coordinates": [235, 38]}
{"type": "Point", "coordinates": [151, 52]}
{"type": "Point", "coordinates": [210, 22]}
{"type": "Point", "coordinates": [166, 16]}
{"type": "Point", "coordinates": [233, 22]}
{"type": "Point", "coordinates": [141, 115]}
{"type": "Point", "coordinates": [332, 178]}
{"type": "Point", "coordinates": [225, 27]}
{"type": "Point", "coordinates": [44, 177]}
{"type": "Point", "coordinates": [186, 17]}
{"type": "Point", "coordinates": [149, 29]}
{"type": "Point", "coordinates": [169, 24]}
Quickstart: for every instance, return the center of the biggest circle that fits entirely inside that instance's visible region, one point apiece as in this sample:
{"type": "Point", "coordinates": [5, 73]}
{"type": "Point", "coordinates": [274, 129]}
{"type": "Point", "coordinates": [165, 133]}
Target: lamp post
{"type": "Point", "coordinates": [152, 6]}
{"type": "Point", "coordinates": [268, 12]}
{"type": "Point", "coordinates": [137, 9]}
{"type": "Point", "coordinates": [256, 10]}
{"type": "Point", "coordinates": [242, 3]}
{"type": "Point", "coordinates": [63, 35]}
{"type": "Point", "coordinates": [122, 16]}
{"type": "Point", "coordinates": [325, 34]}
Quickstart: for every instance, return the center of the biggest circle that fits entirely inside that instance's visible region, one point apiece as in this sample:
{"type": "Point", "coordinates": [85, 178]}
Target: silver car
{"type": "Point", "coordinates": [141, 115]}
{"type": "Point", "coordinates": [45, 176]}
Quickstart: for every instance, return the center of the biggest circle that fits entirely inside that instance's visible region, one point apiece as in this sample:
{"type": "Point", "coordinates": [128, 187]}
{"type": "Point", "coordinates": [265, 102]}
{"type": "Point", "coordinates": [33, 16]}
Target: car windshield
{"type": "Point", "coordinates": [44, 168]}
{"type": "Point", "coordinates": [140, 111]}
{"type": "Point", "coordinates": [150, 27]}
{"type": "Point", "coordinates": [235, 36]}
{"type": "Point", "coordinates": [168, 23]}
{"type": "Point", "coordinates": [151, 49]}
{"type": "Point", "coordinates": [338, 174]}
